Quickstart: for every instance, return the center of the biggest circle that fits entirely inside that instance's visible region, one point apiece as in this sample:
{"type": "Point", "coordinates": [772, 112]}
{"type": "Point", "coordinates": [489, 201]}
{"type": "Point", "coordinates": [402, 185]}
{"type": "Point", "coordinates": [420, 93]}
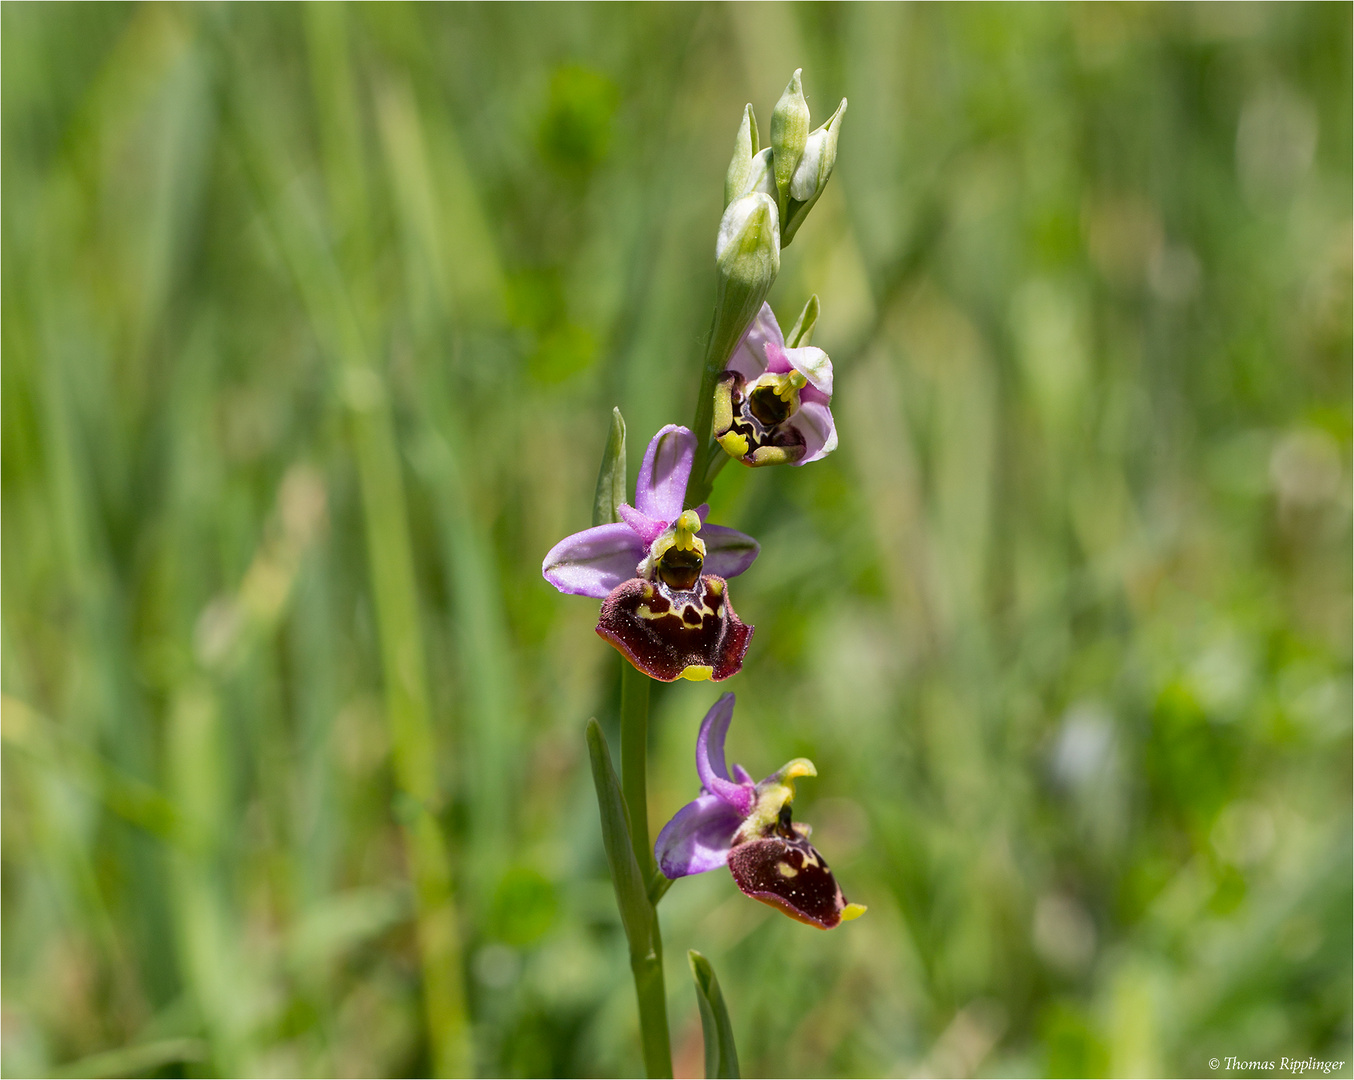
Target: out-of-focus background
{"type": "Point", "coordinates": [313, 319]}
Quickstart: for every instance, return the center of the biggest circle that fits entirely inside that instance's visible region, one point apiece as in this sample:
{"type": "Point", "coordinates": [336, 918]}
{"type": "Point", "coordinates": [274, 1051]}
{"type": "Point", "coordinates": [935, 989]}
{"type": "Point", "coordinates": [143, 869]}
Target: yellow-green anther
{"type": "Point", "coordinates": [773, 793]}
{"type": "Point", "coordinates": [738, 179]}
{"type": "Point", "coordinates": [685, 529]}
{"type": "Point", "coordinates": [789, 133]}
{"type": "Point", "coordinates": [787, 385]}
{"type": "Point", "coordinates": [679, 536]}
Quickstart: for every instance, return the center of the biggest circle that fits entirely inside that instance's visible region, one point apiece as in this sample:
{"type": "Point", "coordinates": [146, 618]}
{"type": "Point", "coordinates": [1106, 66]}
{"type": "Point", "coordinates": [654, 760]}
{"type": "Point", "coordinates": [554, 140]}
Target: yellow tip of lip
{"type": "Point", "coordinates": [853, 911]}
{"type": "Point", "coordinates": [697, 672]}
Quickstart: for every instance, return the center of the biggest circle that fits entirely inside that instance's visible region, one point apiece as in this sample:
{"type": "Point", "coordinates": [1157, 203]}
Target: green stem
{"type": "Point", "coordinates": [634, 758]}
{"type": "Point", "coordinates": [704, 421]}
{"type": "Point", "coordinates": [646, 964]}
{"type": "Point", "coordinates": [717, 460]}
{"type": "Point", "coordinates": [653, 1010]}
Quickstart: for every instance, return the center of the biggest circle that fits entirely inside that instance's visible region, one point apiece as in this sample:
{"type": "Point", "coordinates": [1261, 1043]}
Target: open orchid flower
{"type": "Point", "coordinates": [661, 571]}
{"type": "Point", "coordinates": [771, 403]}
{"type": "Point", "coordinates": [748, 827]}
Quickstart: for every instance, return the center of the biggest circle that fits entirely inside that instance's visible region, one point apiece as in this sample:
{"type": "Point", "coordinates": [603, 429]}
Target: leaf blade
{"type": "Point", "coordinates": [721, 1055]}
{"type": "Point", "coordinates": [632, 897]}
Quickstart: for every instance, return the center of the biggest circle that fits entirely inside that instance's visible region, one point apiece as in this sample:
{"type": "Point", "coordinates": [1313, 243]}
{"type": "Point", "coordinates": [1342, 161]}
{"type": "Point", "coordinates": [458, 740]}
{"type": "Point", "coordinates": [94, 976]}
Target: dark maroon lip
{"type": "Point", "coordinates": [789, 874]}
{"type": "Point", "coordinates": [663, 631]}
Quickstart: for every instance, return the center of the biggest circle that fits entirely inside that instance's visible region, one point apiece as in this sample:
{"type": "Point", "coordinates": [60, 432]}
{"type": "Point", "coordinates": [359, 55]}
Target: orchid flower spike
{"type": "Point", "coordinates": [747, 827]}
{"type": "Point", "coordinates": [771, 403]}
{"type": "Point", "coordinates": [661, 571]}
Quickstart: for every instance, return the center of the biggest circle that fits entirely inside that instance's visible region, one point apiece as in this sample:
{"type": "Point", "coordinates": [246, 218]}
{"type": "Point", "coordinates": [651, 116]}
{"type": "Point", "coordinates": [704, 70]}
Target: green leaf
{"type": "Point", "coordinates": [611, 476]}
{"type": "Point", "coordinates": [637, 914]}
{"type": "Point", "coordinates": [802, 334]}
{"type": "Point", "coordinates": [721, 1056]}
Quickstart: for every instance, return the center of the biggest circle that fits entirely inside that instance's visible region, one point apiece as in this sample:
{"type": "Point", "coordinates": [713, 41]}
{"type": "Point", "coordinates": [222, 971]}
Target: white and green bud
{"type": "Point", "coordinates": [747, 260]}
{"type": "Point", "coordinates": [749, 235]}
{"type": "Point", "coordinates": [811, 175]}
{"type": "Point", "coordinates": [789, 134]}
{"type": "Point", "coordinates": [738, 179]}
{"type": "Point", "coordinates": [762, 176]}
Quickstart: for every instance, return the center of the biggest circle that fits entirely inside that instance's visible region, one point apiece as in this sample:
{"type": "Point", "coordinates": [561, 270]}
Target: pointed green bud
{"type": "Point", "coordinates": [811, 175]}
{"type": "Point", "coordinates": [802, 334]}
{"type": "Point", "coordinates": [789, 133]}
{"type": "Point", "coordinates": [737, 181]}
{"type": "Point", "coordinates": [747, 259]}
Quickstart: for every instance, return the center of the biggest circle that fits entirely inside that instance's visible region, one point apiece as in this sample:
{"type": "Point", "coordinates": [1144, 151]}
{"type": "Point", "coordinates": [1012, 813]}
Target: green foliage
{"type": "Point", "coordinates": [312, 318]}
{"type": "Point", "coordinates": [721, 1055]}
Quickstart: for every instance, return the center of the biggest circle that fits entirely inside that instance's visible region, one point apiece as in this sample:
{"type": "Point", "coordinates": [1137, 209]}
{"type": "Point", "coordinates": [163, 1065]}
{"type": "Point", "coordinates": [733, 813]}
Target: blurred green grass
{"type": "Point", "coordinates": [313, 318]}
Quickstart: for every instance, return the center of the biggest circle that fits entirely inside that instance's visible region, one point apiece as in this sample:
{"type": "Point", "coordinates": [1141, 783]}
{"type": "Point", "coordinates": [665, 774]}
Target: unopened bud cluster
{"type": "Point", "coordinates": [768, 192]}
{"type": "Point", "coordinates": [794, 168]}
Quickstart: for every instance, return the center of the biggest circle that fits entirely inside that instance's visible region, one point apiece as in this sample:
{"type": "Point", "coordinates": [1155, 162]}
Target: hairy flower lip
{"type": "Point", "coordinates": [748, 827]}
{"type": "Point", "coordinates": [672, 634]}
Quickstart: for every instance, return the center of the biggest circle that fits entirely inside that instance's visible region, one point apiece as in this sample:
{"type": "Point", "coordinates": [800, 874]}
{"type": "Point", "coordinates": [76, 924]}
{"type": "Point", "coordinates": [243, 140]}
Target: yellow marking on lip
{"type": "Point", "coordinates": [786, 870]}
{"type": "Point", "coordinates": [734, 444]}
{"type": "Point", "coordinates": [697, 672]}
{"type": "Point", "coordinates": [853, 911]}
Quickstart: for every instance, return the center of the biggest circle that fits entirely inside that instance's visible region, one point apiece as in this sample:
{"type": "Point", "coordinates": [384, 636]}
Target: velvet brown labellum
{"type": "Point", "coordinates": [790, 874]}
{"type": "Point", "coordinates": [672, 633]}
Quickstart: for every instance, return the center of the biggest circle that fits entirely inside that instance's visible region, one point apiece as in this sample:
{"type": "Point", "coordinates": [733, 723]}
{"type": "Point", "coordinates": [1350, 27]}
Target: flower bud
{"type": "Point", "coordinates": [747, 259]}
{"type": "Point", "coordinates": [789, 133]}
{"type": "Point", "coordinates": [762, 177]}
{"type": "Point", "coordinates": [748, 241]}
{"type": "Point", "coordinates": [736, 182]}
{"type": "Point", "coordinates": [804, 183]}
{"type": "Point", "coordinates": [811, 175]}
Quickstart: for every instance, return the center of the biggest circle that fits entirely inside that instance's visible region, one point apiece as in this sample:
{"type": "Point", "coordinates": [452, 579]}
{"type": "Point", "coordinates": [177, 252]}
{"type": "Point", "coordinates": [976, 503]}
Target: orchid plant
{"type": "Point", "coordinates": [661, 571]}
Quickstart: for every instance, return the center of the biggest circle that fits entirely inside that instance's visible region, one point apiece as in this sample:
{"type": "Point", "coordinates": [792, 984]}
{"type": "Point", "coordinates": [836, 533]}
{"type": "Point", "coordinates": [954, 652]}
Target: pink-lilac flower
{"type": "Point", "coordinates": [661, 571]}
{"type": "Point", "coordinates": [772, 402]}
{"type": "Point", "coordinates": [747, 826]}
